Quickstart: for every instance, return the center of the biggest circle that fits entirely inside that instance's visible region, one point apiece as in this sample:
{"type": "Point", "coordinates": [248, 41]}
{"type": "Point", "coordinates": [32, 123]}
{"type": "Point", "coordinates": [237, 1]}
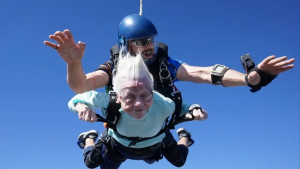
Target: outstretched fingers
{"type": "Point", "coordinates": [60, 38]}
{"type": "Point", "coordinates": [62, 35]}
{"type": "Point", "coordinates": [284, 63]}
{"type": "Point", "coordinates": [285, 68]}
{"type": "Point", "coordinates": [50, 44]}
{"type": "Point", "coordinates": [277, 60]}
{"type": "Point", "coordinates": [266, 61]}
{"type": "Point", "coordinates": [57, 39]}
{"type": "Point", "coordinates": [69, 34]}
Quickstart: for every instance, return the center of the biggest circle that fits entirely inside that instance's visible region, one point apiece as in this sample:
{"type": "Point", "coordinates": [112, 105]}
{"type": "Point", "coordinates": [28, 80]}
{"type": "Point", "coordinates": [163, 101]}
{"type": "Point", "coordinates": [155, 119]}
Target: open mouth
{"type": "Point", "coordinates": [147, 54]}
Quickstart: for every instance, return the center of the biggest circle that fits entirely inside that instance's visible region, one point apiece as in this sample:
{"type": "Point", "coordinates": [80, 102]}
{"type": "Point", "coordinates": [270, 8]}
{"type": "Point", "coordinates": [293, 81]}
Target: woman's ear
{"type": "Point", "coordinates": [118, 99]}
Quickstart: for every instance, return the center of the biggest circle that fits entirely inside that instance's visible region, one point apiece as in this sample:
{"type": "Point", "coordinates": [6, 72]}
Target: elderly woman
{"type": "Point", "coordinates": [143, 114]}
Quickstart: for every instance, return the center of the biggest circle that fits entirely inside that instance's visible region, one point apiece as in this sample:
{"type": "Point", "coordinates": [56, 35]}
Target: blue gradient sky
{"type": "Point", "coordinates": [243, 131]}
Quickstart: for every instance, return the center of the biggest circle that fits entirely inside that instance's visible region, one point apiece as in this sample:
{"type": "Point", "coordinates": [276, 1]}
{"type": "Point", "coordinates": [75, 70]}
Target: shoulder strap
{"type": "Point", "coordinates": [112, 112]}
{"type": "Point", "coordinates": [177, 98]}
{"type": "Point", "coordinates": [166, 86]}
{"type": "Point", "coordinates": [154, 68]}
{"type": "Point", "coordinates": [114, 54]}
{"type": "Point", "coordinates": [163, 48]}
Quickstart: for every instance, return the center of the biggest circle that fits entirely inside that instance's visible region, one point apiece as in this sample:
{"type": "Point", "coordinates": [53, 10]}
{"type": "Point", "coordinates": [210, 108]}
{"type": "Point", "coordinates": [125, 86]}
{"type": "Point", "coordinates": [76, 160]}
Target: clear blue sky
{"type": "Point", "coordinates": [243, 131]}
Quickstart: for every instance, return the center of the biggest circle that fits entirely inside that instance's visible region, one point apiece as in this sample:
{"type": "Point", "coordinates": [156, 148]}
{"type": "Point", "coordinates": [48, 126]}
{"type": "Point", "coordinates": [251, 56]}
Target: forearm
{"type": "Point", "coordinates": [231, 77]}
{"type": "Point", "coordinates": [234, 78]}
{"type": "Point", "coordinates": [73, 103]}
{"type": "Point", "coordinates": [77, 106]}
{"type": "Point", "coordinates": [76, 78]}
{"type": "Point", "coordinates": [77, 99]}
{"type": "Point", "coordinates": [81, 83]}
{"type": "Point", "coordinates": [203, 75]}
{"type": "Point", "coordinates": [92, 99]}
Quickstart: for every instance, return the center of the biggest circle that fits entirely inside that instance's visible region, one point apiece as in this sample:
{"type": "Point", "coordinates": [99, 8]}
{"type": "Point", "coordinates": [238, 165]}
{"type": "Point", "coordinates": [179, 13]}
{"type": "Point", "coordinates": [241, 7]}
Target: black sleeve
{"type": "Point", "coordinates": [107, 67]}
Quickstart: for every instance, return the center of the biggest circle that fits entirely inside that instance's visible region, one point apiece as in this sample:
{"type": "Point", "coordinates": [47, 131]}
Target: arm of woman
{"type": "Point", "coordinates": [91, 99]}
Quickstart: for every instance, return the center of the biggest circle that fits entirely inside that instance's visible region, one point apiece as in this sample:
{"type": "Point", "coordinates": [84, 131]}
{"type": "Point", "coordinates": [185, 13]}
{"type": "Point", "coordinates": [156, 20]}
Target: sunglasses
{"type": "Point", "coordinates": [142, 42]}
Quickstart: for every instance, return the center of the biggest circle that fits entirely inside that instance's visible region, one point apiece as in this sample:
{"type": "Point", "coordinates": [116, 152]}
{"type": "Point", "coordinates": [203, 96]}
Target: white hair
{"type": "Point", "coordinates": [130, 68]}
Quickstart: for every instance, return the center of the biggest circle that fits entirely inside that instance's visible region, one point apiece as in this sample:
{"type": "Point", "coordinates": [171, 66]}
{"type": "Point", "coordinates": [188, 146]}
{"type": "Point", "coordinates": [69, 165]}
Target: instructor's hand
{"type": "Point", "coordinates": [66, 47]}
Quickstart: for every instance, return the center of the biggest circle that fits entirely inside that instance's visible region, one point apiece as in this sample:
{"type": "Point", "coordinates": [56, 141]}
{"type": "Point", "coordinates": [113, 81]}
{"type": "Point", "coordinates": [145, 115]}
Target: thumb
{"type": "Point", "coordinates": [81, 45]}
{"type": "Point", "coordinates": [188, 116]}
{"type": "Point", "coordinates": [253, 78]}
{"type": "Point", "coordinates": [94, 117]}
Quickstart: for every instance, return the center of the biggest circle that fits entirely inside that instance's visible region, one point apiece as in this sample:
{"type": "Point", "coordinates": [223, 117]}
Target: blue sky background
{"type": "Point", "coordinates": [243, 131]}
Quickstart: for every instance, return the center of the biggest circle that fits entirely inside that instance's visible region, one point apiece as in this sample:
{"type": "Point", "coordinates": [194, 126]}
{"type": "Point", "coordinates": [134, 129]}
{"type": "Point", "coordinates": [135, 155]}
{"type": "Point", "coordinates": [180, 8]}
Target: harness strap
{"type": "Point", "coordinates": [166, 81]}
{"type": "Point", "coordinates": [164, 73]}
{"type": "Point", "coordinates": [112, 112]}
{"type": "Point", "coordinates": [177, 98]}
{"type": "Point", "coordinates": [154, 152]}
{"type": "Point", "coordinates": [138, 139]}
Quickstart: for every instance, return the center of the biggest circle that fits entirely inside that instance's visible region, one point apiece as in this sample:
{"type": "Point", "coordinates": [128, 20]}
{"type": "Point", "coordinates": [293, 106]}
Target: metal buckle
{"type": "Point", "coordinates": [175, 92]}
{"type": "Point", "coordinates": [164, 68]}
{"type": "Point", "coordinates": [112, 92]}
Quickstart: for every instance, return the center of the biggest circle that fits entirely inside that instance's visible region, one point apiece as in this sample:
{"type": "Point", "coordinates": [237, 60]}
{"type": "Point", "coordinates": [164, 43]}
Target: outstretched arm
{"type": "Point", "coordinates": [80, 82]}
{"type": "Point", "coordinates": [270, 65]}
{"type": "Point", "coordinates": [72, 53]}
{"type": "Point", "coordinates": [203, 75]}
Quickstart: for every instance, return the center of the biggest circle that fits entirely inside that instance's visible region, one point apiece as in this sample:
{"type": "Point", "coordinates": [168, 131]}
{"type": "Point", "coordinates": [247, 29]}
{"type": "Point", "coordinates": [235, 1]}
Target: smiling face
{"type": "Point", "coordinates": [146, 47]}
{"type": "Point", "coordinates": [136, 98]}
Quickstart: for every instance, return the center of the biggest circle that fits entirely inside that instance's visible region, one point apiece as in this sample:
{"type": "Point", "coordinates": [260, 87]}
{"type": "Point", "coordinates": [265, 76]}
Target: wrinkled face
{"type": "Point", "coordinates": [136, 98]}
{"type": "Point", "coordinates": [144, 46]}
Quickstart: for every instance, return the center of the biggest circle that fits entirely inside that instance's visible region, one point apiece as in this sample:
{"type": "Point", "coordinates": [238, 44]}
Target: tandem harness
{"type": "Point", "coordinates": [163, 83]}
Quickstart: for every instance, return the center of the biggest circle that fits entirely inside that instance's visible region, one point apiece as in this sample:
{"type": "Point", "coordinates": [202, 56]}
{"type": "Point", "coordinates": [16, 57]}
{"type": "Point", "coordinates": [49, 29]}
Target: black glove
{"type": "Point", "coordinates": [265, 79]}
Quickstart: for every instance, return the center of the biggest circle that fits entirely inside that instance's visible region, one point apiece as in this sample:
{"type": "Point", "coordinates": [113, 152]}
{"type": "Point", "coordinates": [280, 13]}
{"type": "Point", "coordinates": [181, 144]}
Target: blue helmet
{"type": "Point", "coordinates": [137, 30]}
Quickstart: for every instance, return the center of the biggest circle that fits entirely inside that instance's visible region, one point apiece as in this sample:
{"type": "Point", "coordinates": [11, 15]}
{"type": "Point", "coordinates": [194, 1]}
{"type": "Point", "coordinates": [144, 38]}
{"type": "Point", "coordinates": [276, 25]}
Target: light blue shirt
{"type": "Point", "coordinates": [148, 126]}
